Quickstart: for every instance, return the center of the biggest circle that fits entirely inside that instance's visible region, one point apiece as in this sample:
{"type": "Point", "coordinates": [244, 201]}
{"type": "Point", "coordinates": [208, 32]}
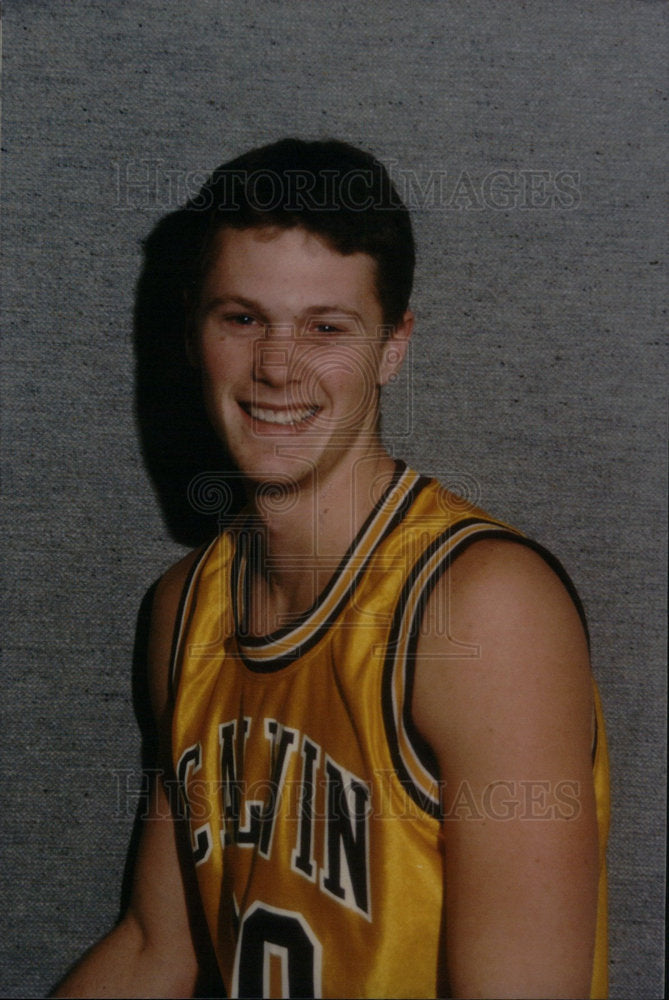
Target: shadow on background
{"type": "Point", "coordinates": [191, 474]}
{"type": "Point", "coordinates": [178, 444]}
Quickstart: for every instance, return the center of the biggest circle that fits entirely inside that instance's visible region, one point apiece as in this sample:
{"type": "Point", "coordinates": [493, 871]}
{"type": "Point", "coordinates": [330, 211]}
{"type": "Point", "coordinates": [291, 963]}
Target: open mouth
{"type": "Point", "coordinates": [289, 417]}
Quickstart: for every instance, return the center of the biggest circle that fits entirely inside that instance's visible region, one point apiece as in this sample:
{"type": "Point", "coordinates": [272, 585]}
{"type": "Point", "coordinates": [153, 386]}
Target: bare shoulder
{"type": "Point", "coordinates": [171, 584]}
{"type": "Point", "coordinates": [164, 612]}
{"type": "Point", "coordinates": [504, 588]}
{"type": "Point", "coordinates": [503, 657]}
{"type": "Point", "coordinates": [492, 568]}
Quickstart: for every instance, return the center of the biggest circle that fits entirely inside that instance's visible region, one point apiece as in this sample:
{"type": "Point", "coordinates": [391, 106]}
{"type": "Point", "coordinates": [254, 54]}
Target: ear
{"type": "Point", "coordinates": [395, 348]}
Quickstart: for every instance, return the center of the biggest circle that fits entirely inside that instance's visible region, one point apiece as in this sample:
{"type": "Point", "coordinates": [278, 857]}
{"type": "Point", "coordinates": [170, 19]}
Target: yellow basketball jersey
{"type": "Point", "coordinates": [313, 804]}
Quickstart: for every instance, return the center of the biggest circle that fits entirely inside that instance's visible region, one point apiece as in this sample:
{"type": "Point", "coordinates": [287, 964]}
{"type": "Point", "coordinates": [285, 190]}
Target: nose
{"type": "Point", "coordinates": [273, 354]}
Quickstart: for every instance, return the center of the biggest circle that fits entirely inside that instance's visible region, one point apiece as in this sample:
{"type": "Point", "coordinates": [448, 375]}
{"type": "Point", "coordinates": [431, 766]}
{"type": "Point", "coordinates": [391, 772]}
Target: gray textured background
{"type": "Point", "coordinates": [536, 380]}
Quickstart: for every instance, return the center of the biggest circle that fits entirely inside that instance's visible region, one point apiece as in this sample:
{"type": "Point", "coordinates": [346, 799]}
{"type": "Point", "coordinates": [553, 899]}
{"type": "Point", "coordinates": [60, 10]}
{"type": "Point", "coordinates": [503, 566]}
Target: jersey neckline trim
{"type": "Point", "coordinates": [282, 647]}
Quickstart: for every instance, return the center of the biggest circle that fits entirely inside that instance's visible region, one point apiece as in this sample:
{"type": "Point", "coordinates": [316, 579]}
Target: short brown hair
{"type": "Point", "coordinates": [331, 189]}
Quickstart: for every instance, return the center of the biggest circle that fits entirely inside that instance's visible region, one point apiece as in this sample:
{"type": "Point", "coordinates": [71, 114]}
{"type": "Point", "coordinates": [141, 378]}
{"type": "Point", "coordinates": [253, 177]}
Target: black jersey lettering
{"type": "Point", "coordinates": [282, 938]}
{"type": "Point", "coordinates": [232, 787]}
{"type": "Point", "coordinates": [302, 859]}
{"type": "Point", "coordinates": [346, 869]}
{"type": "Point", "coordinates": [189, 764]}
{"type": "Point", "coordinates": [282, 741]}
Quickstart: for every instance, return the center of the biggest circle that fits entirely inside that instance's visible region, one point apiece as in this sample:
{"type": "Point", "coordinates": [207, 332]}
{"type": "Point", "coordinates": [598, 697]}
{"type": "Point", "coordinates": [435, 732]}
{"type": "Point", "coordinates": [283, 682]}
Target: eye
{"type": "Point", "coordinates": [240, 319]}
{"type": "Point", "coordinates": [326, 327]}
{"type": "Point", "coordinates": [240, 323]}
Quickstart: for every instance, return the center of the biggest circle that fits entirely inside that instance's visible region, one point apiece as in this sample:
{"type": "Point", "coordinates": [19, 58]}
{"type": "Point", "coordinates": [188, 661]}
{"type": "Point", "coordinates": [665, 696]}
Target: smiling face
{"type": "Point", "coordinates": [292, 352]}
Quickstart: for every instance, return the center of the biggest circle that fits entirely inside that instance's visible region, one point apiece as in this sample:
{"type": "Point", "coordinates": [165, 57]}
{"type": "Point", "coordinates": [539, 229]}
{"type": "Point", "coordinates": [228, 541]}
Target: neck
{"type": "Point", "coordinates": [306, 533]}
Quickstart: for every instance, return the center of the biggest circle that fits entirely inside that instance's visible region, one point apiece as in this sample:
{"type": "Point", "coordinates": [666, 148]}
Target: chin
{"type": "Point", "coordinates": [283, 473]}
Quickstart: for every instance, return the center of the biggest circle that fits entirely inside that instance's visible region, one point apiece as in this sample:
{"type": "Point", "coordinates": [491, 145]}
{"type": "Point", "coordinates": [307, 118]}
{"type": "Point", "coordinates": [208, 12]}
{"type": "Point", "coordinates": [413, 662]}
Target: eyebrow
{"type": "Point", "coordinates": [255, 307]}
{"type": "Point", "coordinates": [333, 310]}
{"type": "Point", "coordinates": [232, 300]}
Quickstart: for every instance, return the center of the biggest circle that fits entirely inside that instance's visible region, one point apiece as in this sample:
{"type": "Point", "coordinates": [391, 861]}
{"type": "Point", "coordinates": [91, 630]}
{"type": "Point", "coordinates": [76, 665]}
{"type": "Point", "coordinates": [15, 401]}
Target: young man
{"type": "Point", "coordinates": [375, 703]}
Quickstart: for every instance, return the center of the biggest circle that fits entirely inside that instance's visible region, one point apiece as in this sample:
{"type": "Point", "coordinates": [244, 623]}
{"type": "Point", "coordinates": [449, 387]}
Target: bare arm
{"type": "Point", "coordinates": [511, 727]}
{"type": "Point", "coordinates": [151, 952]}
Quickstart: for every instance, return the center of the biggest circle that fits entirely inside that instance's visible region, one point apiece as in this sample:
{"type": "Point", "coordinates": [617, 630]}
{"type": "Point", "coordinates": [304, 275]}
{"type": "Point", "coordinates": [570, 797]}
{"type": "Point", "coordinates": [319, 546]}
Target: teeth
{"type": "Point", "coordinates": [285, 417]}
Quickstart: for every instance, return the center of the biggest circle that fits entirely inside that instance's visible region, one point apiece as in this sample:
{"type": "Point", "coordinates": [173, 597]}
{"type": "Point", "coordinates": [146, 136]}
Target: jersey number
{"type": "Point", "coordinates": [276, 947]}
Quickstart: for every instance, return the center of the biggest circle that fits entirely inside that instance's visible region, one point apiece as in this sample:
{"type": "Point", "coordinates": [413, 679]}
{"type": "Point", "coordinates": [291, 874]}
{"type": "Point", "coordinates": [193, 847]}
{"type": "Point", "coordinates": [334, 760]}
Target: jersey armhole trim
{"type": "Point", "coordinates": [413, 759]}
{"type": "Point", "coordinates": [184, 613]}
